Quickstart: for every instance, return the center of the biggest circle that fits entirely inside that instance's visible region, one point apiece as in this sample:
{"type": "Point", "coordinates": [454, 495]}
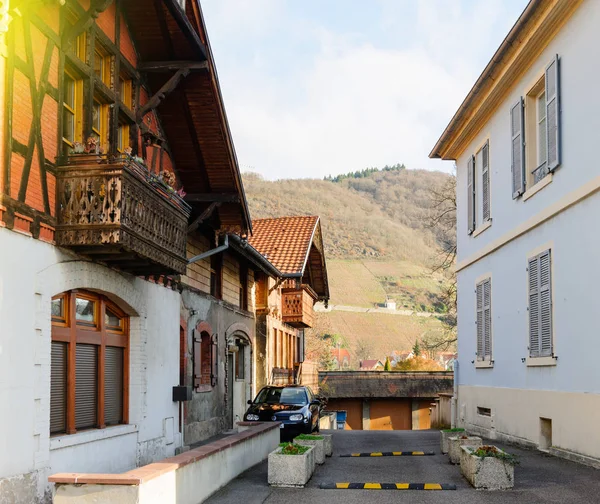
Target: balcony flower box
{"type": "Point", "coordinates": [317, 441]}
{"type": "Point", "coordinates": [448, 433]}
{"type": "Point", "coordinates": [488, 467]}
{"type": "Point", "coordinates": [291, 465]}
{"type": "Point", "coordinates": [455, 443]}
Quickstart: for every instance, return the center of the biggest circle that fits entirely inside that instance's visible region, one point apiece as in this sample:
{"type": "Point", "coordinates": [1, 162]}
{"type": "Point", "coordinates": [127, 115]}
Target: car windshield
{"type": "Point", "coordinates": [286, 395]}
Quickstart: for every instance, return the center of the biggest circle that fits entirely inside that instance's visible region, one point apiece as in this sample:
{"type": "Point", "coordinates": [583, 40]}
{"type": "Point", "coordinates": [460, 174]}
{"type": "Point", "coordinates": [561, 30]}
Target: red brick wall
{"type": "Point", "coordinates": [106, 22]}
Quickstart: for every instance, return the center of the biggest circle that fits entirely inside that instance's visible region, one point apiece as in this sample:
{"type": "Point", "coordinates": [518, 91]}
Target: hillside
{"type": "Point", "coordinates": [377, 245]}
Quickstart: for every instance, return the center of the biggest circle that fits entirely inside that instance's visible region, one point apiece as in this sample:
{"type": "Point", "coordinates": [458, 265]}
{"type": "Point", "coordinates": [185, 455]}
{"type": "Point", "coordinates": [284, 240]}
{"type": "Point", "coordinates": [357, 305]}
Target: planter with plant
{"type": "Point", "coordinates": [317, 441]}
{"type": "Point", "coordinates": [488, 467]}
{"type": "Point", "coordinates": [455, 442]}
{"type": "Point", "coordinates": [291, 465]}
{"type": "Point", "coordinates": [448, 433]}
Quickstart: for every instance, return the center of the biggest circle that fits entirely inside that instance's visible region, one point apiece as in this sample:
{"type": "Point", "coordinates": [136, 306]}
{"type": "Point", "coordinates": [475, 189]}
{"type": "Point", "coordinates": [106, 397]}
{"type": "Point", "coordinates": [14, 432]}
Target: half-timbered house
{"type": "Point", "coordinates": [126, 306]}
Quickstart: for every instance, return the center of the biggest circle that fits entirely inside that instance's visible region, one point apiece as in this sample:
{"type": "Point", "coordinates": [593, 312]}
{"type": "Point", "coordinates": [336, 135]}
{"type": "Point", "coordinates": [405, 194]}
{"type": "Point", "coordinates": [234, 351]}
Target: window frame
{"type": "Point", "coordinates": [533, 148]}
{"type": "Point", "coordinates": [76, 110]}
{"type": "Point", "coordinates": [73, 333]}
{"type": "Point", "coordinates": [477, 224]}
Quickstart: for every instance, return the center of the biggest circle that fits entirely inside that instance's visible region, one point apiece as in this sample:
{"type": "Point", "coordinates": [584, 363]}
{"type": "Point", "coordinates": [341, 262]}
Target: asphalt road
{"type": "Point", "coordinates": [539, 478]}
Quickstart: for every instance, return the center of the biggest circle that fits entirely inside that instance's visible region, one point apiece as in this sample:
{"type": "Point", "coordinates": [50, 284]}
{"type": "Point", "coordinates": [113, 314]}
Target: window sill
{"type": "Point", "coordinates": [203, 388]}
{"type": "Point", "coordinates": [540, 361]}
{"type": "Point", "coordinates": [537, 187]}
{"type": "Point", "coordinates": [89, 436]}
{"type": "Point", "coordinates": [485, 364]}
{"type": "Point", "coordinates": [482, 228]}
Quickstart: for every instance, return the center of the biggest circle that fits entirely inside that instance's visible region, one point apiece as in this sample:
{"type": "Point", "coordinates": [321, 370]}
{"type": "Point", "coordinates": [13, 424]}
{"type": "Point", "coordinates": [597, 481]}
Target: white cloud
{"type": "Point", "coordinates": [351, 104]}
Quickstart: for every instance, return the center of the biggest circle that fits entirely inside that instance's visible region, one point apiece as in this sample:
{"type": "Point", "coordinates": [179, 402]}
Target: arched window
{"type": "Point", "coordinates": [89, 363]}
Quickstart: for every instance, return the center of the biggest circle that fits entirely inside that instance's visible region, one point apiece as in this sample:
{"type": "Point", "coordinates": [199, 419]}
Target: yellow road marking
{"type": "Point", "coordinates": [342, 485]}
{"type": "Point", "coordinates": [418, 453]}
{"type": "Point", "coordinates": [402, 486]}
{"type": "Point", "coordinates": [372, 486]}
{"type": "Point", "coordinates": [355, 454]}
{"type": "Point", "coordinates": [433, 486]}
{"type": "Point", "coordinates": [377, 454]}
{"type": "Point", "coordinates": [396, 453]}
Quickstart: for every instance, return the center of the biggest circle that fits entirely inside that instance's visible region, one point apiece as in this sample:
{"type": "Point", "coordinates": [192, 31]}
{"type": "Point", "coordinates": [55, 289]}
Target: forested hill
{"type": "Point", "coordinates": [369, 214]}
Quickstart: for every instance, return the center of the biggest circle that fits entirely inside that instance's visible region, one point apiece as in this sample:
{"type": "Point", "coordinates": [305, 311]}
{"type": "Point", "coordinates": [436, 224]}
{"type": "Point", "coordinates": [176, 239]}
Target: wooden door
{"type": "Point", "coordinates": [390, 414]}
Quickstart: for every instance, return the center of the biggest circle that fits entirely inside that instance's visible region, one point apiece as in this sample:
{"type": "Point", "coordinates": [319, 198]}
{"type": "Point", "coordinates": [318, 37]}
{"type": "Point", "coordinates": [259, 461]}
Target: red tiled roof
{"type": "Point", "coordinates": [284, 241]}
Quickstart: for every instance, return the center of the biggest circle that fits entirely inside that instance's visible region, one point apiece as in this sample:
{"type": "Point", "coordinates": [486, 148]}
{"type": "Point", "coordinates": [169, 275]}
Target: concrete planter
{"type": "Point", "coordinates": [328, 438]}
{"type": "Point", "coordinates": [319, 447]}
{"type": "Point", "coordinates": [454, 444]}
{"type": "Point", "coordinates": [489, 473]}
{"type": "Point", "coordinates": [291, 470]}
{"type": "Point", "coordinates": [444, 435]}
{"type": "Point", "coordinates": [328, 420]}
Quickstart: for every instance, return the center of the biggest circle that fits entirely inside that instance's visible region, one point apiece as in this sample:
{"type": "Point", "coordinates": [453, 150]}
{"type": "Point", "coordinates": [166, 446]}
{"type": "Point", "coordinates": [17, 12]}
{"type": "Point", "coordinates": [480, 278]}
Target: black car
{"type": "Point", "coordinates": [295, 406]}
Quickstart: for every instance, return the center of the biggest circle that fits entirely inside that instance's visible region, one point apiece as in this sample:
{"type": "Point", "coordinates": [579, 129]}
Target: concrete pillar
{"type": "Point", "coordinates": [366, 414]}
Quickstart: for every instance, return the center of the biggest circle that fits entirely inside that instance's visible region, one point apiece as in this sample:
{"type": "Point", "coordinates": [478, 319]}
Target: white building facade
{"type": "Point", "coordinates": [527, 200]}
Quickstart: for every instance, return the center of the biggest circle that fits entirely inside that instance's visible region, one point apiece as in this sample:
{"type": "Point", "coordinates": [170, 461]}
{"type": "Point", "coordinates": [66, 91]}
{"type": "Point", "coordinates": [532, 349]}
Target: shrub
{"type": "Point", "coordinates": [293, 449]}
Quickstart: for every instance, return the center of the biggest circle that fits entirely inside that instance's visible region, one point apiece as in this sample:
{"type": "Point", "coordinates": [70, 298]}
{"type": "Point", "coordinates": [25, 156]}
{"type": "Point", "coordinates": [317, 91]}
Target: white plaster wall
{"type": "Point", "coordinates": [32, 272]}
{"type": "Point", "coordinates": [580, 124]}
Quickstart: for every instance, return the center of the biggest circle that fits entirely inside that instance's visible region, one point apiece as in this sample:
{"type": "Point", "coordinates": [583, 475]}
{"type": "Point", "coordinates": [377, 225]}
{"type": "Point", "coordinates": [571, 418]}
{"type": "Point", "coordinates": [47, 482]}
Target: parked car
{"type": "Point", "coordinates": [295, 406]}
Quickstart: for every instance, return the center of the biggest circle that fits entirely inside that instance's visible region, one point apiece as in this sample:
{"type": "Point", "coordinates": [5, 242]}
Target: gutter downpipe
{"type": "Point", "coordinates": [454, 403]}
{"type": "Point", "coordinates": [211, 252]}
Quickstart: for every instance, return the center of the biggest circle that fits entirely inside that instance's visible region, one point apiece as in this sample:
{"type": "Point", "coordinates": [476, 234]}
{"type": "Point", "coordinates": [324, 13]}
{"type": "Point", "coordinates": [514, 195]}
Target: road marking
{"type": "Point", "coordinates": [387, 486]}
{"type": "Point", "coordinates": [389, 454]}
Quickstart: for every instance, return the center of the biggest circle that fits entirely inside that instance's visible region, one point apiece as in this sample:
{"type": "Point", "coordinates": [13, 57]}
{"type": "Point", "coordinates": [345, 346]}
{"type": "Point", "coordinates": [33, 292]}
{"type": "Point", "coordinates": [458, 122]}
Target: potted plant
{"type": "Point", "coordinates": [447, 433]}
{"type": "Point", "coordinates": [488, 467]}
{"type": "Point", "coordinates": [455, 442]}
{"type": "Point", "coordinates": [317, 441]}
{"type": "Point", "coordinates": [291, 465]}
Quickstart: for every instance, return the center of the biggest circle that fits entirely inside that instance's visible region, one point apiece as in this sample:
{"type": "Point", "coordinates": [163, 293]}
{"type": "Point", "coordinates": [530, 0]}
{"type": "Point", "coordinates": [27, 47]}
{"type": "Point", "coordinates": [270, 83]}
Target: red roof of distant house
{"type": "Point", "coordinates": [370, 363]}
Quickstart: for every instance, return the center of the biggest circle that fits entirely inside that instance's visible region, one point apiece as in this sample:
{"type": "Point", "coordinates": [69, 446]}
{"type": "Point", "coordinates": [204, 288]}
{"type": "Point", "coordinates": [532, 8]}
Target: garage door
{"type": "Point", "coordinates": [353, 408]}
{"type": "Point", "coordinates": [391, 414]}
{"type": "Point", "coordinates": [424, 415]}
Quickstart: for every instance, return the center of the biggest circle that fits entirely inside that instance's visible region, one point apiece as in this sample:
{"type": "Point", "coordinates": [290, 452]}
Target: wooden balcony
{"type": "Point", "coordinates": [297, 307]}
{"type": "Point", "coordinates": [115, 211]}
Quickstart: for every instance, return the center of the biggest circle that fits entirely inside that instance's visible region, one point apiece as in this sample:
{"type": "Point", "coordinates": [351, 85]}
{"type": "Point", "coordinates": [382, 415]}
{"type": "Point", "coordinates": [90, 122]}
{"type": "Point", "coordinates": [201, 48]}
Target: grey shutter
{"type": "Point", "coordinates": [518, 149]}
{"type": "Point", "coordinates": [197, 358]}
{"type": "Point", "coordinates": [553, 113]}
{"type": "Point", "coordinates": [534, 308]}
{"type": "Point", "coordinates": [480, 323]}
{"type": "Point", "coordinates": [485, 156]}
{"type": "Point", "coordinates": [86, 386]}
{"type": "Point", "coordinates": [113, 385]}
{"type": "Point", "coordinates": [545, 304]}
{"type": "Point", "coordinates": [487, 319]}
{"type": "Point", "coordinates": [471, 195]}
{"type": "Point", "coordinates": [58, 387]}
{"type": "Point", "coordinates": [214, 359]}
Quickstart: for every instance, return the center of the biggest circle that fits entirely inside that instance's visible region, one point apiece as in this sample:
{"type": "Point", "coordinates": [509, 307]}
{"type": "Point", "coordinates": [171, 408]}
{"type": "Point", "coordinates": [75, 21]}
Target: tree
{"type": "Point", "coordinates": [388, 364]}
{"type": "Point", "coordinates": [416, 349]}
{"type": "Point", "coordinates": [442, 221]}
{"type": "Point", "coordinates": [418, 363]}
{"type": "Point", "coordinates": [363, 350]}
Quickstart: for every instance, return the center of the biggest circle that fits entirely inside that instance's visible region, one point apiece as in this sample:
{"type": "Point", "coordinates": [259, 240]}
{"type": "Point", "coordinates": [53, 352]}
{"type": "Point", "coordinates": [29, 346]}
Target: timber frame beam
{"type": "Point", "coordinates": [166, 66]}
{"type": "Point", "coordinates": [84, 22]}
{"type": "Point", "coordinates": [160, 95]}
{"type": "Point", "coordinates": [203, 216]}
{"type": "Point", "coordinates": [186, 27]}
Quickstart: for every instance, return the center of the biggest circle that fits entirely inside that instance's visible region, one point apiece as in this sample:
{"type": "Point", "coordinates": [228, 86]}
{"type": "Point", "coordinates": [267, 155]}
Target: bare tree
{"type": "Point", "coordinates": [442, 221]}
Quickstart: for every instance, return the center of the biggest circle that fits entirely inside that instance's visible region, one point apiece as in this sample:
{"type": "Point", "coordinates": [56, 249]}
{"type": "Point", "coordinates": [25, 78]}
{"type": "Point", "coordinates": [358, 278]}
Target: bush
{"type": "Point", "coordinates": [293, 449]}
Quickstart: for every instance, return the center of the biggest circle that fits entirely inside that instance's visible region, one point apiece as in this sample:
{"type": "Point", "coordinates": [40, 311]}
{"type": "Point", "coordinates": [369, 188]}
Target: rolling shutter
{"type": "Point", "coordinates": [517, 149]}
{"type": "Point", "coordinates": [113, 385]}
{"type": "Point", "coordinates": [86, 386]}
{"type": "Point", "coordinates": [485, 155]}
{"type": "Point", "coordinates": [553, 113]}
{"type": "Point", "coordinates": [487, 319]}
{"type": "Point", "coordinates": [471, 195]}
{"type": "Point", "coordinates": [58, 387]}
{"type": "Point", "coordinates": [480, 323]}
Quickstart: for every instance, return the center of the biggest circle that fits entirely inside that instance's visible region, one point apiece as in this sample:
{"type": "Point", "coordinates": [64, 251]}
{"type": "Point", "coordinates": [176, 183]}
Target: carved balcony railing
{"type": "Point", "coordinates": [115, 211]}
{"type": "Point", "coordinates": [297, 307]}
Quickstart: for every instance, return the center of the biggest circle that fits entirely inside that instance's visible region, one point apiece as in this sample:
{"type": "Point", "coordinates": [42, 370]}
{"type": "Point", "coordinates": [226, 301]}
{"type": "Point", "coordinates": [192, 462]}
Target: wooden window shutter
{"type": "Point", "coordinates": [518, 149]}
{"type": "Point", "coordinates": [534, 308]}
{"type": "Point", "coordinates": [471, 195]}
{"type": "Point", "coordinates": [545, 304]}
{"type": "Point", "coordinates": [553, 113]}
{"type": "Point", "coordinates": [58, 387]}
{"type": "Point", "coordinates": [113, 385]}
{"type": "Point", "coordinates": [197, 358]}
{"type": "Point", "coordinates": [485, 186]}
{"type": "Point", "coordinates": [480, 324]}
{"type": "Point", "coordinates": [487, 319]}
{"type": "Point", "coordinates": [86, 386]}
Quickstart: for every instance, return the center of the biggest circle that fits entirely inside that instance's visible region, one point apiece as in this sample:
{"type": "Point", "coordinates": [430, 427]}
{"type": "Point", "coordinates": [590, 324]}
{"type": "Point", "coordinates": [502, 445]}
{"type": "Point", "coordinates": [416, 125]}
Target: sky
{"type": "Point", "coordinates": [319, 87]}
